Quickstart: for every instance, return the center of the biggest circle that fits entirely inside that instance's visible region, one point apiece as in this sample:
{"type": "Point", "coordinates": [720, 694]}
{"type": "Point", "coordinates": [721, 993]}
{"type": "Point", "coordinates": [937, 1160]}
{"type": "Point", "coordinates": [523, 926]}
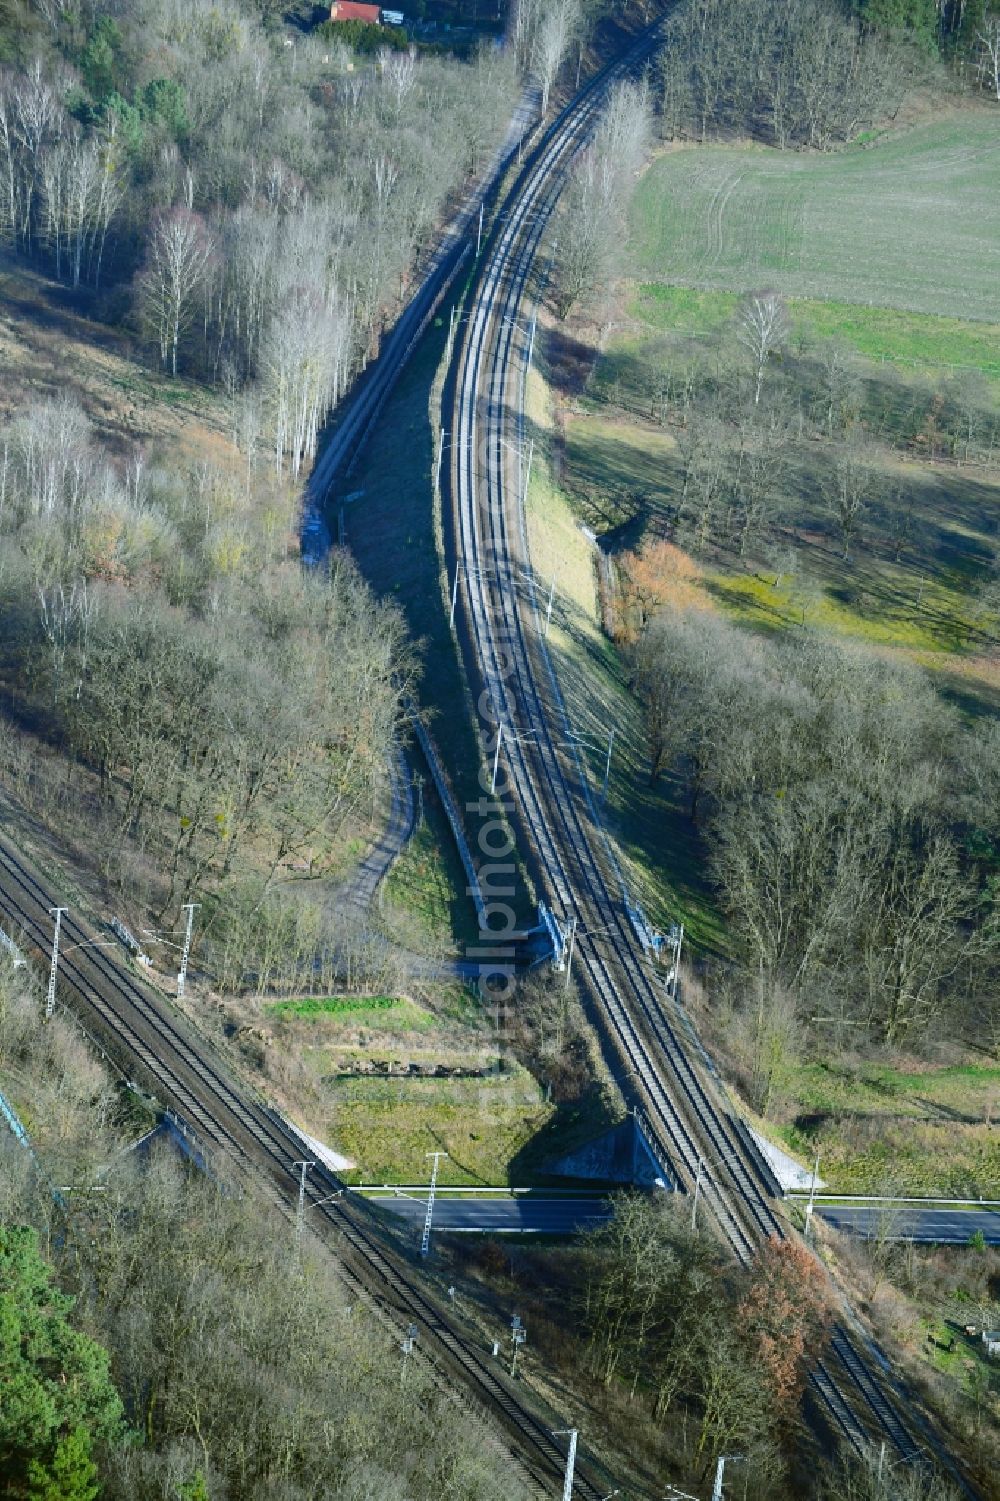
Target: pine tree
{"type": "Point", "coordinates": [70, 1475]}
{"type": "Point", "coordinates": [58, 1395]}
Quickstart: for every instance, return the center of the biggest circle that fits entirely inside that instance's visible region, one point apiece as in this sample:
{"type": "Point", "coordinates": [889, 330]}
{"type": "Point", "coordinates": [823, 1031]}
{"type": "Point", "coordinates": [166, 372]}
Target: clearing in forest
{"type": "Point", "coordinates": [911, 222]}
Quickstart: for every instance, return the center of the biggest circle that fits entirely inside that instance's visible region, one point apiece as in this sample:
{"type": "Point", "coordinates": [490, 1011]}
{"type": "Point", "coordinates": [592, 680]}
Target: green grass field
{"type": "Point", "coordinates": [920, 341]}
{"type": "Point", "coordinates": [386, 1119]}
{"type": "Point", "coordinates": [357, 1009]}
{"type": "Point", "coordinates": [911, 223]}
{"type": "Point", "coordinates": [710, 222]}
{"type": "Point", "coordinates": [389, 1125]}
{"type": "Point", "coordinates": [423, 901]}
{"type": "Point", "coordinates": [922, 1130]}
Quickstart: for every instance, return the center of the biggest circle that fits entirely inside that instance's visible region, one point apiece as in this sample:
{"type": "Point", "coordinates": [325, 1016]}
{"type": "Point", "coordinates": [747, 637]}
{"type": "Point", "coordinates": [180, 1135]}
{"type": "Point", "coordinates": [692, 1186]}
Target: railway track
{"type": "Point", "coordinates": [138, 1026]}
{"type": "Point", "coordinates": [689, 1121]}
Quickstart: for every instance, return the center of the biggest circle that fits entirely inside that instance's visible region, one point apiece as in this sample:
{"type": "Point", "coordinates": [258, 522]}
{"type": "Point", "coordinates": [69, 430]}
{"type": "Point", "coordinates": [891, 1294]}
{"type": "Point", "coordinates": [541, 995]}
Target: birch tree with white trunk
{"type": "Point", "coordinates": [398, 70]}
{"type": "Point", "coordinates": [38, 120]}
{"type": "Point", "coordinates": [78, 201]}
{"type": "Point", "coordinates": [525, 18]}
{"type": "Point", "coordinates": [553, 39]}
{"type": "Point", "coordinates": [303, 364]}
{"type": "Point", "coordinates": [55, 457]}
{"type": "Point", "coordinates": [180, 249]}
{"type": "Point", "coordinates": [762, 327]}
{"type": "Point", "coordinates": [988, 61]}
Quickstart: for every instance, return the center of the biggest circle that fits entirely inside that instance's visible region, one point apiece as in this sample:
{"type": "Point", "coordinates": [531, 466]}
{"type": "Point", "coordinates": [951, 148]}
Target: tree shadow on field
{"type": "Point", "coordinates": [625, 483]}
{"type": "Point", "coordinates": [55, 310]}
{"type": "Point", "coordinates": [568, 361]}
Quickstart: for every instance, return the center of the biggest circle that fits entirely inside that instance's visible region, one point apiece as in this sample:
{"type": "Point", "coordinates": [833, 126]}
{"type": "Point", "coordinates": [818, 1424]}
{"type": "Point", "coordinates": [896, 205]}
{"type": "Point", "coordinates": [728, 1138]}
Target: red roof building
{"type": "Point", "coordinates": [353, 10]}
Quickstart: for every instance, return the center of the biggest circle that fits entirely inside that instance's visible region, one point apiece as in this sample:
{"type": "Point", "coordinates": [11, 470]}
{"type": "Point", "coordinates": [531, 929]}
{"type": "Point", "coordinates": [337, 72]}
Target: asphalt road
{"type": "Point", "coordinates": [933, 1226]}
{"type": "Point", "coordinates": [524, 1215]}
{"type": "Point", "coordinates": [527, 1214]}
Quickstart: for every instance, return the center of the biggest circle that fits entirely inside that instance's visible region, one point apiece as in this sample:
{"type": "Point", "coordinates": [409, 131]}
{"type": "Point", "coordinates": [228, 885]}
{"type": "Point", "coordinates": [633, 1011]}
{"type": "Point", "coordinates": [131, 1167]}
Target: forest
{"type": "Point", "coordinates": [251, 204]}
{"type": "Point", "coordinates": [851, 818]}
{"type": "Point", "coordinates": [247, 204]}
{"type": "Point", "coordinates": [220, 714]}
{"type": "Point", "coordinates": [813, 74]}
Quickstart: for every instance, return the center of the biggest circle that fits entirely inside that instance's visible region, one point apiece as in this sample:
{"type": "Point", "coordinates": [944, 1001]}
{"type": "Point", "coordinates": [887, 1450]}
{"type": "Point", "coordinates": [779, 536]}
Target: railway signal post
{"type": "Point", "coordinates": [548, 607]}
{"type": "Point", "coordinates": [812, 1198]}
{"type": "Point", "coordinates": [518, 1335]}
{"type": "Point", "coordinates": [720, 1471]}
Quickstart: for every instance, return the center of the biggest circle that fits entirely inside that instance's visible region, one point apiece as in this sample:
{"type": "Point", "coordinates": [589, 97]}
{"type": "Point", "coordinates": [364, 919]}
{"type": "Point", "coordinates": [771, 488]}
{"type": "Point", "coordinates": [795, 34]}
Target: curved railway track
{"type": "Point", "coordinates": [137, 1024]}
{"type": "Point", "coordinates": [689, 1121]}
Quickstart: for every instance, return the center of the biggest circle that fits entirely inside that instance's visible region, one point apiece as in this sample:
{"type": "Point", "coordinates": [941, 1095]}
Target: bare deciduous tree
{"type": "Point", "coordinates": [57, 464]}
{"type": "Point", "coordinates": [596, 199]}
{"type": "Point", "coordinates": [704, 448]}
{"type": "Point", "coordinates": [841, 385]}
{"type": "Point", "coordinates": [988, 60]}
{"type": "Point", "coordinates": [851, 489]}
{"type": "Point", "coordinates": [828, 779]}
{"type": "Point", "coordinates": [302, 359]}
{"type": "Point", "coordinates": [80, 195]}
{"type": "Point", "coordinates": [177, 259]}
{"type": "Point", "coordinates": [66, 617]}
{"type": "Point", "coordinates": [556, 31]}
{"type": "Point", "coordinates": [525, 18]}
{"type": "Point", "coordinates": [37, 119]}
{"type": "Point", "coordinates": [756, 467]}
{"type": "Point", "coordinates": [762, 326]}
{"type": "Point", "coordinates": [871, 1478]}
{"type": "Point", "coordinates": [398, 70]}
{"type": "Point", "coordinates": [796, 72]}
